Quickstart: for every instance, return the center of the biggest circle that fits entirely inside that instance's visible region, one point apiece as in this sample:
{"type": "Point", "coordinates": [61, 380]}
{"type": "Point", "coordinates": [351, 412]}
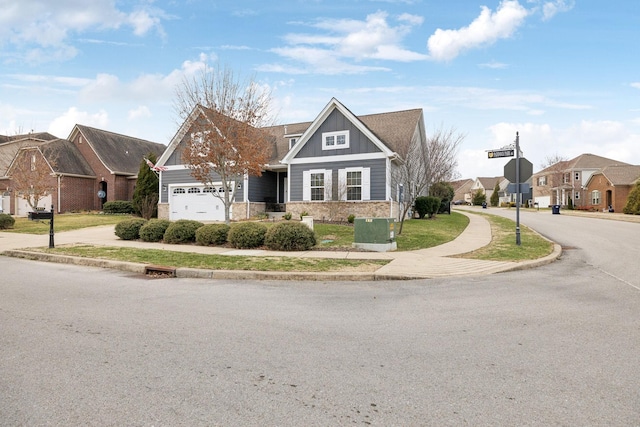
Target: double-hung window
{"type": "Point", "coordinates": [317, 186]}
{"type": "Point", "coordinates": [354, 184]}
{"type": "Point", "coordinates": [595, 197]}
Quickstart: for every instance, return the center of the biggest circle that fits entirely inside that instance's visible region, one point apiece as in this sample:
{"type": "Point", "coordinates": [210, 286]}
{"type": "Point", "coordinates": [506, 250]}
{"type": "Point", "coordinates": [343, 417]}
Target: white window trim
{"type": "Point", "coordinates": [335, 135]}
{"type": "Point", "coordinates": [365, 185]}
{"type": "Point", "coordinates": [306, 184]}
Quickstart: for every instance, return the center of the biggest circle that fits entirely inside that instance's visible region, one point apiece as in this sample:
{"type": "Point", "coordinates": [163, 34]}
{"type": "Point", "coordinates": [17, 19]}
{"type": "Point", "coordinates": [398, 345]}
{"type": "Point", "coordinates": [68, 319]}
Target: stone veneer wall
{"type": "Point", "coordinates": [163, 210]}
{"type": "Point", "coordinates": [239, 210]}
{"type": "Point", "coordinates": [339, 211]}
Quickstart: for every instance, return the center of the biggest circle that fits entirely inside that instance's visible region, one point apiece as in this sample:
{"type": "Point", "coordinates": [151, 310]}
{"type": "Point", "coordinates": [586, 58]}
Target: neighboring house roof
{"type": "Point", "coordinates": [43, 136]}
{"type": "Point", "coordinates": [583, 161]}
{"type": "Point", "coordinates": [619, 175]}
{"type": "Point", "coordinates": [489, 183]}
{"type": "Point", "coordinates": [120, 154]}
{"type": "Point", "coordinates": [9, 149]}
{"type": "Point", "coordinates": [66, 159]}
{"type": "Point", "coordinates": [458, 185]}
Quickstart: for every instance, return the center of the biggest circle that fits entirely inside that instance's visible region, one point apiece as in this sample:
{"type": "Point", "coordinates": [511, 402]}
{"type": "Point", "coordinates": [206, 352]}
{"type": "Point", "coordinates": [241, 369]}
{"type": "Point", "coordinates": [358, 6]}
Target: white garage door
{"type": "Point", "coordinates": [196, 202]}
{"type": "Point", "coordinates": [23, 207]}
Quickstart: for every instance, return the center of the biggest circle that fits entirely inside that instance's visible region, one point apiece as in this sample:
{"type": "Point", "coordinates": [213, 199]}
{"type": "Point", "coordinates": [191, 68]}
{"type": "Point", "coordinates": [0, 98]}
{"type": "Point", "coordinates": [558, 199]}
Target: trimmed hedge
{"type": "Point", "coordinates": [212, 234]}
{"type": "Point", "coordinates": [6, 221]}
{"type": "Point", "coordinates": [129, 229]}
{"type": "Point", "coordinates": [118, 207]}
{"type": "Point", "coordinates": [182, 231]}
{"type": "Point", "coordinates": [154, 229]}
{"type": "Point", "coordinates": [246, 235]}
{"type": "Point", "coordinates": [290, 236]}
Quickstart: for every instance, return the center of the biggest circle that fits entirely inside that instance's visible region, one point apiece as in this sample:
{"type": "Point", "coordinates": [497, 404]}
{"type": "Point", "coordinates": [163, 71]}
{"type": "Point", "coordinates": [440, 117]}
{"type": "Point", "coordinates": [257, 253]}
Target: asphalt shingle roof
{"type": "Point", "coordinates": [119, 153]}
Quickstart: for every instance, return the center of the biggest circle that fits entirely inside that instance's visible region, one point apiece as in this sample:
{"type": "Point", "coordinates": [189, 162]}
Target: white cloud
{"type": "Point", "coordinates": [552, 8]}
{"type": "Point", "coordinates": [343, 41]}
{"type": "Point", "coordinates": [636, 85]}
{"type": "Point", "coordinates": [486, 29]}
{"type": "Point", "coordinates": [62, 125]}
{"type": "Point", "coordinates": [140, 112]}
{"type": "Point", "coordinates": [39, 31]}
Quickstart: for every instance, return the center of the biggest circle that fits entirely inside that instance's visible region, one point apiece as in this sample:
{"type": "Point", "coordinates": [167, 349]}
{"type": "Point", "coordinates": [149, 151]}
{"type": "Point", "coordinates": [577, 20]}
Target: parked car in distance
{"type": "Point", "coordinates": [460, 202]}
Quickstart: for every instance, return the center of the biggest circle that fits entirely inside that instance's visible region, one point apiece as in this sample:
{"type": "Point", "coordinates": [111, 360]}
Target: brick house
{"type": "Point", "coordinates": [462, 190]}
{"type": "Point", "coordinates": [487, 184]}
{"type": "Point", "coordinates": [609, 188]}
{"type": "Point", "coordinates": [88, 162]}
{"type": "Point", "coordinates": [567, 180]}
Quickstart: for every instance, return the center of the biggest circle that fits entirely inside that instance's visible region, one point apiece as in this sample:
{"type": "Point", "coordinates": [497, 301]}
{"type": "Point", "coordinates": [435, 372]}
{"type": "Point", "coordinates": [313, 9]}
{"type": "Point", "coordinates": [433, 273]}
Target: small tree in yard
{"type": "Point", "coordinates": [445, 192]}
{"type": "Point", "coordinates": [633, 201]}
{"type": "Point", "coordinates": [32, 174]}
{"type": "Point", "coordinates": [226, 142]}
{"type": "Point", "coordinates": [479, 197]}
{"type": "Point", "coordinates": [145, 196]}
{"type": "Point", "coordinates": [495, 196]}
{"type": "Point", "coordinates": [423, 164]}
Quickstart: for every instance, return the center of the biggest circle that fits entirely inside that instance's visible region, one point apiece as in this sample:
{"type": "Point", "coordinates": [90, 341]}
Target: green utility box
{"type": "Point", "coordinates": [375, 234]}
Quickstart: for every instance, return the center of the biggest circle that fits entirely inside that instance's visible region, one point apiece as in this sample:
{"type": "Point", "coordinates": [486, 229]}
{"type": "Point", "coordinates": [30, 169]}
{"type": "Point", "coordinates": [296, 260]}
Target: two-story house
{"type": "Point", "coordinates": [566, 181]}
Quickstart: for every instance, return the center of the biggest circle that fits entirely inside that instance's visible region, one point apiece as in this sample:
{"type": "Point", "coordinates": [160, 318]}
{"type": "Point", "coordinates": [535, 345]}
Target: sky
{"type": "Point", "coordinates": [564, 74]}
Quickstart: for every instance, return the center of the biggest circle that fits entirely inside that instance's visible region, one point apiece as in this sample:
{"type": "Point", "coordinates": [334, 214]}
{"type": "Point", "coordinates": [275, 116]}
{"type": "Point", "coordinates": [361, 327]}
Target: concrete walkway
{"type": "Point", "coordinates": [439, 261]}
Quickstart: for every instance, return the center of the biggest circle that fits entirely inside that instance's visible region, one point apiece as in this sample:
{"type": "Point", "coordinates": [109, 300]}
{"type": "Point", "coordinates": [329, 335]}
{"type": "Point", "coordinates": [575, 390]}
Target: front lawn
{"type": "Point", "coordinates": [65, 222]}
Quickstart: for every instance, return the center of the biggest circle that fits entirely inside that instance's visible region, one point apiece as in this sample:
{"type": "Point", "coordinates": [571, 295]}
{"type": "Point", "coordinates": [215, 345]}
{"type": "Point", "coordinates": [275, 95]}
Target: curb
{"type": "Point", "coordinates": [195, 273]}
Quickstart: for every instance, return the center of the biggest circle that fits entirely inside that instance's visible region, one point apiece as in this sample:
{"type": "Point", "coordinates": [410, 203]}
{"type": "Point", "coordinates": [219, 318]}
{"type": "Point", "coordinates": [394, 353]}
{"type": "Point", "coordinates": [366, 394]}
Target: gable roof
{"type": "Point", "coordinates": [619, 175]}
{"type": "Point", "coordinates": [489, 183]}
{"type": "Point", "coordinates": [388, 131]}
{"type": "Point", "coordinates": [41, 136]}
{"type": "Point", "coordinates": [9, 149]}
{"type": "Point", "coordinates": [583, 161]}
{"type": "Point", "coordinates": [66, 159]}
{"type": "Point", "coordinates": [120, 154]}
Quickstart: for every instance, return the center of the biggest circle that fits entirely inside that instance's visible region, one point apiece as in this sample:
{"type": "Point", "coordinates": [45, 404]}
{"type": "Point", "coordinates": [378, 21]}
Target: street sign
{"type": "Point", "coordinates": [494, 154]}
{"type": "Point", "coordinates": [526, 170]}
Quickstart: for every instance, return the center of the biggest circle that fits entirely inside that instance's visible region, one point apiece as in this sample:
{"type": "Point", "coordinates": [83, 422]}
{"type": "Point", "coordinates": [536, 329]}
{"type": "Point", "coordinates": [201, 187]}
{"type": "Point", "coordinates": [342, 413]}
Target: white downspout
{"type": "Point", "coordinates": [59, 186]}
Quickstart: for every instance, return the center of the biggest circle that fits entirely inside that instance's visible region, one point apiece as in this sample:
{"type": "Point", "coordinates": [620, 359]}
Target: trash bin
{"type": "Point", "coordinates": [555, 209]}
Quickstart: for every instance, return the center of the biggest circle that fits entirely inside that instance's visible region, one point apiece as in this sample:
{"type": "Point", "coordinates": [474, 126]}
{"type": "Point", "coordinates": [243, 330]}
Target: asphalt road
{"type": "Point", "coordinates": [557, 345]}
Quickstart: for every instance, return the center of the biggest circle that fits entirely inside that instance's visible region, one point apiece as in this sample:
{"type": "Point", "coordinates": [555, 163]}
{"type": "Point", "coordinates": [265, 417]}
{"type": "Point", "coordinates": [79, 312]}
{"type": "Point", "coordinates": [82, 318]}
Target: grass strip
{"type": "Point", "coordinates": [216, 262]}
{"type": "Point", "coordinates": [503, 242]}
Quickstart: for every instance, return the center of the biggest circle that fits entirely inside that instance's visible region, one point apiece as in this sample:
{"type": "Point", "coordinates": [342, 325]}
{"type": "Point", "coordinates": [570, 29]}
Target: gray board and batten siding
{"type": "Point", "coordinates": [336, 121]}
{"type": "Point", "coordinates": [378, 178]}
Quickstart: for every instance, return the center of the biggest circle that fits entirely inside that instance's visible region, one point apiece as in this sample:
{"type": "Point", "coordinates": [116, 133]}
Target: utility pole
{"type": "Point", "coordinates": [518, 192]}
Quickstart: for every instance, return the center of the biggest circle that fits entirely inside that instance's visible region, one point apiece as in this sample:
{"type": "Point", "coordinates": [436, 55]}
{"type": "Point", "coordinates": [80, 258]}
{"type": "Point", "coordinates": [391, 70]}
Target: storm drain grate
{"type": "Point", "coordinates": [159, 271]}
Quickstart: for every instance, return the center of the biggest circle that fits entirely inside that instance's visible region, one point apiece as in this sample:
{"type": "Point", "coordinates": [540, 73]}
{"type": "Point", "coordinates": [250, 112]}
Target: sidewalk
{"type": "Point", "coordinates": [420, 264]}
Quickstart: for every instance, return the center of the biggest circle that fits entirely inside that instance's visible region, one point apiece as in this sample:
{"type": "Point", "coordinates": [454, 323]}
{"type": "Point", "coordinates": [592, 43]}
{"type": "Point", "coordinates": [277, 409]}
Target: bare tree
{"type": "Point", "coordinates": [553, 168]}
{"type": "Point", "coordinates": [226, 141]}
{"type": "Point", "coordinates": [425, 163]}
{"type": "Point", "coordinates": [33, 175]}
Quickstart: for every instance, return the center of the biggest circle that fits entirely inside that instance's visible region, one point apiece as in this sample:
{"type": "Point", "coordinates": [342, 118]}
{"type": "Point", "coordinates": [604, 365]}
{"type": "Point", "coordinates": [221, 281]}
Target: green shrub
{"type": "Point", "coordinates": [129, 229]}
{"type": "Point", "coordinates": [287, 216]}
{"type": "Point", "coordinates": [351, 218]}
{"type": "Point", "coordinates": [182, 231]}
{"type": "Point", "coordinates": [212, 234]}
{"type": "Point", "coordinates": [118, 207]}
{"type": "Point", "coordinates": [6, 221]}
{"type": "Point", "coordinates": [247, 235]}
{"type": "Point", "coordinates": [304, 213]}
{"type": "Point", "coordinates": [290, 236]}
{"type": "Point", "coordinates": [427, 206]}
{"type": "Point", "coordinates": [154, 229]}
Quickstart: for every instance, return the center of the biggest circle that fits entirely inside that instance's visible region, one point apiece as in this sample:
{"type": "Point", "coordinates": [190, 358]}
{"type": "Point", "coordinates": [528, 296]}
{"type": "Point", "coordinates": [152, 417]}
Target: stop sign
{"type": "Point", "coordinates": [526, 170]}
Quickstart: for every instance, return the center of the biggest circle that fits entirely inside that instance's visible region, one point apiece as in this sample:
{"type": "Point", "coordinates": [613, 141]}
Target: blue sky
{"type": "Point", "coordinates": [565, 74]}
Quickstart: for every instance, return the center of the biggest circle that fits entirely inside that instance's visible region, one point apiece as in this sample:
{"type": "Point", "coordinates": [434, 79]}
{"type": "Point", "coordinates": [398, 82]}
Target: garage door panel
{"type": "Point", "coordinates": [187, 203]}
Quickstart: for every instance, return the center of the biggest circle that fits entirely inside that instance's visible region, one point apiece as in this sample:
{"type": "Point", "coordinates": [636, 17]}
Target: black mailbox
{"type": "Point", "coordinates": [40, 215]}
